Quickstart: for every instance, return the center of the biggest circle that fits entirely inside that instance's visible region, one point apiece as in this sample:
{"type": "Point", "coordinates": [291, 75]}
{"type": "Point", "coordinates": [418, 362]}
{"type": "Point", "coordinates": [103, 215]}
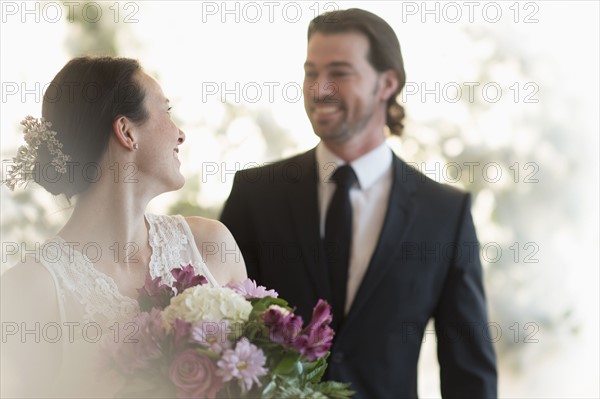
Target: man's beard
{"type": "Point", "coordinates": [348, 129]}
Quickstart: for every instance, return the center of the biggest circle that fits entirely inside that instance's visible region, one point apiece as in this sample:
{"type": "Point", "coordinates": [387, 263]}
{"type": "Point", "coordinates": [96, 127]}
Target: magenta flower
{"type": "Point", "coordinates": [244, 363]}
{"type": "Point", "coordinates": [315, 340]}
{"type": "Point", "coordinates": [211, 335]}
{"type": "Point", "coordinates": [154, 294]}
{"type": "Point", "coordinates": [194, 375]}
{"type": "Point", "coordinates": [250, 290]}
{"type": "Point", "coordinates": [186, 277]}
{"type": "Point", "coordinates": [284, 326]}
{"type": "Point", "coordinates": [321, 315]}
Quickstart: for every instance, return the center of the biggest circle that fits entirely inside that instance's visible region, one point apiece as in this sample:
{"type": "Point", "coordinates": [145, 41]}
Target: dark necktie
{"type": "Point", "coordinates": [338, 238]}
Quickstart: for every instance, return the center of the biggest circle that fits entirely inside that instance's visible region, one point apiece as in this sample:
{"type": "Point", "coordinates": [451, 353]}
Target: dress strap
{"type": "Point", "coordinates": [201, 266]}
{"type": "Point", "coordinates": [60, 296]}
{"type": "Point", "coordinates": [173, 245]}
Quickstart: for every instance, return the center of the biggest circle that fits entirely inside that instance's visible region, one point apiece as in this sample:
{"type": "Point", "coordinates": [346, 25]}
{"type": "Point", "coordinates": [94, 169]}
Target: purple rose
{"type": "Point", "coordinates": [194, 375]}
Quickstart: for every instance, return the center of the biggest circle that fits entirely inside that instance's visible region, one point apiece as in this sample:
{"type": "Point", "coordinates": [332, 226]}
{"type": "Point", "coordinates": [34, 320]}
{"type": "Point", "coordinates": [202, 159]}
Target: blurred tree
{"type": "Point", "coordinates": [25, 219]}
{"type": "Point", "coordinates": [89, 32]}
{"type": "Point", "coordinates": [278, 143]}
{"type": "Point", "coordinates": [522, 137]}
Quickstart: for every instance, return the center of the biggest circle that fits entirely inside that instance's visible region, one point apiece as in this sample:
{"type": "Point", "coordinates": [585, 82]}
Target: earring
{"type": "Point", "coordinates": [135, 146]}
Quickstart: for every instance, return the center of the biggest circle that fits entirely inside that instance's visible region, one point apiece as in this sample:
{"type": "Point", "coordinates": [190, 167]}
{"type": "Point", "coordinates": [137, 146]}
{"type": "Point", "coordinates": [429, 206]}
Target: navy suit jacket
{"type": "Point", "coordinates": [425, 265]}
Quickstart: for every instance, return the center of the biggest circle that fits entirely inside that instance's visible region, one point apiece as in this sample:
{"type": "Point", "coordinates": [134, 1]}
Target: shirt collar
{"type": "Point", "coordinates": [368, 168]}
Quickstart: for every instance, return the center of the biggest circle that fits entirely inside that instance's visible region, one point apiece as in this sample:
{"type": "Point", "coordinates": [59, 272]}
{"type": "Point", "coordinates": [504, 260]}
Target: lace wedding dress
{"type": "Point", "coordinates": [91, 306]}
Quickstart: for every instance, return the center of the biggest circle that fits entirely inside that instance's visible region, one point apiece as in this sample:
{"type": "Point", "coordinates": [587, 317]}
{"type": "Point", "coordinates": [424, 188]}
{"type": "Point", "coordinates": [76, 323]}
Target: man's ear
{"type": "Point", "coordinates": [389, 84]}
{"type": "Point", "coordinates": [124, 131]}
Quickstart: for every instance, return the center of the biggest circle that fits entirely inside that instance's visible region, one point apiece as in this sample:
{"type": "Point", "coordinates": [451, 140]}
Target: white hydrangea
{"type": "Point", "coordinates": [204, 303]}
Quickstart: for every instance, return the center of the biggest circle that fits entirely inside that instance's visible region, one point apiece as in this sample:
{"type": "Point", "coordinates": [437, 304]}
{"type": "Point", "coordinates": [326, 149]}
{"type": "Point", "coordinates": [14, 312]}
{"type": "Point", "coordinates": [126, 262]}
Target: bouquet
{"type": "Point", "coordinates": [195, 341]}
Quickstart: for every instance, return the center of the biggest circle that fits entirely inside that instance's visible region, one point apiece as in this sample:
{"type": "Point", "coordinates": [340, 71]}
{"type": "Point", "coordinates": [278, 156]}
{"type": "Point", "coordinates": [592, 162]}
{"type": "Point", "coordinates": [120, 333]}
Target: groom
{"type": "Point", "coordinates": [350, 222]}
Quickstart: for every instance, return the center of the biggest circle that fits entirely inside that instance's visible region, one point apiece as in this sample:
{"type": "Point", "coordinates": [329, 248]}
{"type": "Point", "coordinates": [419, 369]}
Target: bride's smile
{"type": "Point", "coordinates": [157, 135]}
{"type": "Point", "coordinates": [128, 134]}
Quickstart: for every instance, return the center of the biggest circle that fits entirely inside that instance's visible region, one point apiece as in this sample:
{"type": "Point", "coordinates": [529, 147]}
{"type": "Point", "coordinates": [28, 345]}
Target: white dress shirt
{"type": "Point", "coordinates": [369, 198]}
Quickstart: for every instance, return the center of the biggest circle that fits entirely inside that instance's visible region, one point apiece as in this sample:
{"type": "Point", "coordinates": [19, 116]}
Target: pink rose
{"type": "Point", "coordinates": [194, 375]}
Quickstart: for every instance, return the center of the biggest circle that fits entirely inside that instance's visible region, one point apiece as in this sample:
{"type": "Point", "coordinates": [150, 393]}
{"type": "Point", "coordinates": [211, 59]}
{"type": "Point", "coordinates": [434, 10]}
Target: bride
{"type": "Point", "coordinates": [114, 149]}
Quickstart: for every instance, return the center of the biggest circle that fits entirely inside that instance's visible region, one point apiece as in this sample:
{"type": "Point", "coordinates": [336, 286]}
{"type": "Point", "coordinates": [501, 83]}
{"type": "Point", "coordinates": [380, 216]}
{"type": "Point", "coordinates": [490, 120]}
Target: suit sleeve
{"type": "Point", "coordinates": [236, 217]}
{"type": "Point", "coordinates": [465, 351]}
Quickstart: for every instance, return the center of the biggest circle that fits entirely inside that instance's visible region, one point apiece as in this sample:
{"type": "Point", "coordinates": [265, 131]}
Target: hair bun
{"type": "Point", "coordinates": [83, 127]}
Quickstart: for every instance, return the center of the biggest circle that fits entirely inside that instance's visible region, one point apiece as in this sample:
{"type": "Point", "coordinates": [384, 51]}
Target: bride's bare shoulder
{"type": "Point", "coordinates": [208, 229]}
{"type": "Point", "coordinates": [29, 305]}
{"type": "Point", "coordinates": [218, 248]}
{"type": "Point", "coordinates": [28, 291]}
{"type": "Point", "coordinates": [28, 273]}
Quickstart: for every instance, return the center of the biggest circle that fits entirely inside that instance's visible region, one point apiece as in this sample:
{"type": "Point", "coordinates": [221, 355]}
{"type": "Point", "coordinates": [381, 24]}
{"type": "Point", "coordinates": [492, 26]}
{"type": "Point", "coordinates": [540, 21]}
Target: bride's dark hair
{"type": "Point", "coordinates": [82, 102]}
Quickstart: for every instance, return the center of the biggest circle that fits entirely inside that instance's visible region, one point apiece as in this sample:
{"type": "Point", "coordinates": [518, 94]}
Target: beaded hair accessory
{"type": "Point", "coordinates": [36, 132]}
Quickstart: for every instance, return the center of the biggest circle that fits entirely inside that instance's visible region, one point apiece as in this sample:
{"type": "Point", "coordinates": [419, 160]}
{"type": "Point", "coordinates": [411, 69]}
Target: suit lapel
{"type": "Point", "coordinates": [303, 201]}
{"type": "Point", "coordinates": [398, 220]}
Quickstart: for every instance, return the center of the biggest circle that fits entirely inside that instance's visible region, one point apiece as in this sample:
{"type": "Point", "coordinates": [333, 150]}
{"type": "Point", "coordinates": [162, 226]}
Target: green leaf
{"type": "Point", "coordinates": [269, 389]}
{"type": "Point", "coordinates": [287, 364]}
{"type": "Point", "coordinates": [260, 305]}
{"type": "Point", "coordinates": [299, 368]}
{"type": "Point", "coordinates": [333, 389]}
{"type": "Point", "coordinates": [208, 353]}
{"type": "Point", "coordinates": [314, 370]}
{"type": "Point", "coordinates": [255, 330]}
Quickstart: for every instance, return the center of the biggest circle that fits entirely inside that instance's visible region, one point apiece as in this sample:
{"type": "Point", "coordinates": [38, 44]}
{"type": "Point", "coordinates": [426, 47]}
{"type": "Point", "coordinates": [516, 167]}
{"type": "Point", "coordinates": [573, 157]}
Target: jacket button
{"type": "Point", "coordinates": [337, 357]}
